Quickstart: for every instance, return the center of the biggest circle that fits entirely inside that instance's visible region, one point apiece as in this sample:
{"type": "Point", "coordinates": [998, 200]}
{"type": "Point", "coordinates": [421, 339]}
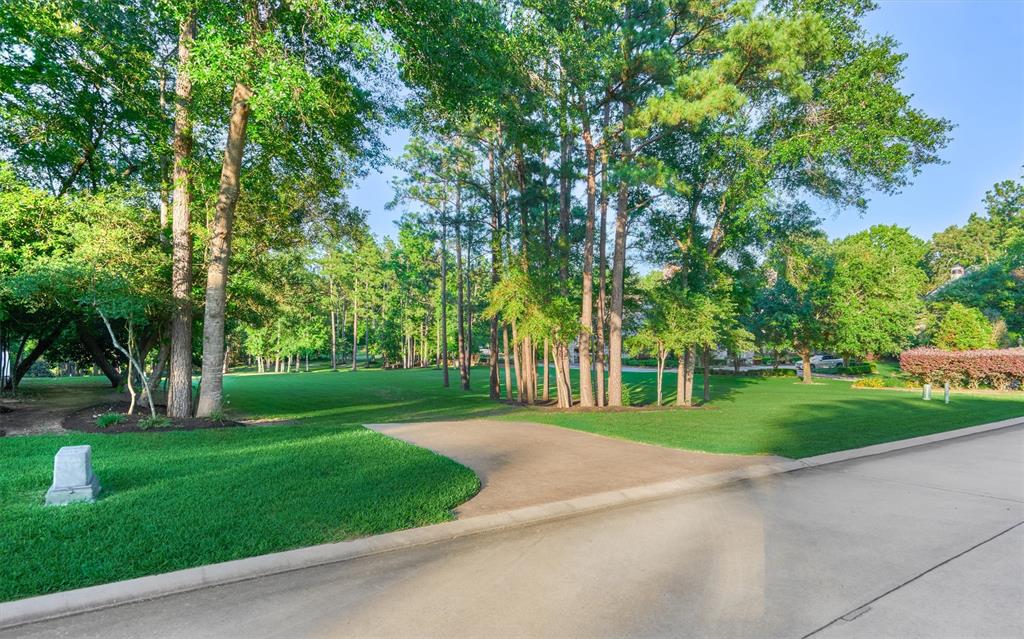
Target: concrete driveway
{"type": "Point", "coordinates": [925, 542]}
{"type": "Point", "coordinates": [524, 464]}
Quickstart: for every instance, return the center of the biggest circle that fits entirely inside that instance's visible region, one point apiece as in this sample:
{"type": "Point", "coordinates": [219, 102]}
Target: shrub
{"type": "Point", "coordinates": [869, 382]}
{"type": "Point", "coordinates": [999, 369]}
{"type": "Point", "coordinates": [157, 421]}
{"type": "Point", "coordinates": [770, 372]}
{"type": "Point", "coordinates": [649, 362]}
{"type": "Point", "coordinates": [108, 419]}
{"type": "Point", "coordinates": [857, 369]}
{"type": "Point", "coordinates": [885, 382]}
{"type": "Point", "coordinates": [39, 368]}
{"type": "Point", "coordinates": [963, 328]}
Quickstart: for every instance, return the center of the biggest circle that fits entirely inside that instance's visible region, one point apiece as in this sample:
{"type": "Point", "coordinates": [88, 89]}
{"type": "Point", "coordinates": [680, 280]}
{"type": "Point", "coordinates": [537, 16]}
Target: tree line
{"type": "Point", "coordinates": [556, 151]}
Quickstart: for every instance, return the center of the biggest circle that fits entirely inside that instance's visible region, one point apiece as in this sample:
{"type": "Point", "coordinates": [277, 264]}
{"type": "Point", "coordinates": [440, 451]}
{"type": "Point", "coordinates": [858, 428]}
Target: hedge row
{"type": "Point", "coordinates": [1000, 369]}
{"type": "Point", "coordinates": [857, 369]}
{"type": "Point", "coordinates": [769, 372]}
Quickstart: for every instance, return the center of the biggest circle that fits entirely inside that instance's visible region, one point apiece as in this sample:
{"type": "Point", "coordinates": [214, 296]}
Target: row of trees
{"type": "Point", "coordinates": [696, 132]}
{"type": "Point", "coordinates": [556, 149]}
{"type": "Point", "coordinates": [221, 134]}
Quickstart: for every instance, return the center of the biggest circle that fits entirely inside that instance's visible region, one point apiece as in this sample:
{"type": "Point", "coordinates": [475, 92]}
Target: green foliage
{"type": "Point", "coordinates": [996, 289]}
{"type": "Point", "coordinates": [866, 368]}
{"type": "Point", "coordinates": [875, 291]}
{"type": "Point", "coordinates": [985, 238]}
{"type": "Point", "coordinates": [768, 372]}
{"type": "Point", "coordinates": [79, 101]}
{"type": "Point", "coordinates": [109, 419]}
{"type": "Point", "coordinates": [796, 309]}
{"type": "Point", "coordinates": [963, 329]}
{"type": "Point", "coordinates": [155, 421]}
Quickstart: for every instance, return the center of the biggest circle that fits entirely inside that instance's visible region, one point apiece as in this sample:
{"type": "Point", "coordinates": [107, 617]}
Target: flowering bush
{"type": "Point", "coordinates": [870, 382]}
{"type": "Point", "coordinates": [1000, 369]}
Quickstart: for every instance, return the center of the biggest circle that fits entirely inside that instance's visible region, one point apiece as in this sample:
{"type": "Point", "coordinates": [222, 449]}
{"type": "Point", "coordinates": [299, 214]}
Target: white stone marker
{"type": "Point", "coordinates": [73, 479]}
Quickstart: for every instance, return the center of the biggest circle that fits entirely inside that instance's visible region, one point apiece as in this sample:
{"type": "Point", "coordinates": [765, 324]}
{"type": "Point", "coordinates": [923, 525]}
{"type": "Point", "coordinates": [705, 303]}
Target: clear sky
{"type": "Point", "coordinates": [966, 64]}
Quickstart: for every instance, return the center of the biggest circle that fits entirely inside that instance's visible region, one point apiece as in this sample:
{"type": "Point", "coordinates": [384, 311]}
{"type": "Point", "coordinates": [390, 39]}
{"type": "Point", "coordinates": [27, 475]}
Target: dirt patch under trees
{"type": "Point", "coordinates": [84, 420]}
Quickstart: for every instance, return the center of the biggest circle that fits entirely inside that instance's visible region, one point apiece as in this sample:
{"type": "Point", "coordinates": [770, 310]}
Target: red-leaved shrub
{"type": "Point", "coordinates": [1000, 369]}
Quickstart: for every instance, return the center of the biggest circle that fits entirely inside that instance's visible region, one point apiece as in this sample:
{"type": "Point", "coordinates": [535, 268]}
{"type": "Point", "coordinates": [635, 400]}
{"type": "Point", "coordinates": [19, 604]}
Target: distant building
{"type": "Point", "coordinates": [955, 273]}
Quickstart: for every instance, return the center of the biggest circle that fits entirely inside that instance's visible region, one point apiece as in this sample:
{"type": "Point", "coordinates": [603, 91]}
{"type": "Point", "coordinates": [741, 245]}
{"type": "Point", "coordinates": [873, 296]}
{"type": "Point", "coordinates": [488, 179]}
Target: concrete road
{"type": "Point", "coordinates": [523, 464]}
{"type": "Point", "coordinates": [925, 542]}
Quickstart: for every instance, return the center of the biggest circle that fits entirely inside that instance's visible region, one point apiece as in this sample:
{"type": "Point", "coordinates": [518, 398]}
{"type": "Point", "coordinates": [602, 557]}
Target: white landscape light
{"type": "Point", "coordinates": [927, 392]}
{"type": "Point", "coordinates": [73, 479]}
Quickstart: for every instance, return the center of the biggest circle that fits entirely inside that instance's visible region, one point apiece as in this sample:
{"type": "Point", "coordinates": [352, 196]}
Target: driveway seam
{"type": "Point", "coordinates": [866, 604]}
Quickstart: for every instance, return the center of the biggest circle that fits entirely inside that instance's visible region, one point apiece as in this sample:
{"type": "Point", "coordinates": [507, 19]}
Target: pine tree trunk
{"type": "Point", "coordinates": [444, 297]}
{"type": "Point", "coordinates": [423, 343]}
{"type": "Point", "coordinates": [460, 301]}
{"type": "Point", "coordinates": [615, 316]}
{"type": "Point", "coordinates": [707, 375]}
{"type": "Point", "coordinates": [601, 398]}
{"type": "Point", "coordinates": [566, 393]}
{"type": "Point", "coordinates": [680, 379]}
{"type": "Point", "coordinates": [508, 366]}
{"type": "Point", "coordinates": [211, 387]}
{"type": "Point", "coordinates": [355, 326]}
{"type": "Point", "coordinates": [334, 330]}
{"type": "Point", "coordinates": [469, 312]}
{"type": "Point", "coordinates": [547, 372]}
{"type": "Point", "coordinates": [618, 275]}
{"type": "Point", "coordinates": [518, 365]}
{"type": "Point", "coordinates": [661, 372]}
{"type": "Point", "coordinates": [493, 381]}
{"type": "Point", "coordinates": [691, 367]}
{"type": "Point", "coordinates": [586, 314]}
{"type": "Point", "coordinates": [179, 380]}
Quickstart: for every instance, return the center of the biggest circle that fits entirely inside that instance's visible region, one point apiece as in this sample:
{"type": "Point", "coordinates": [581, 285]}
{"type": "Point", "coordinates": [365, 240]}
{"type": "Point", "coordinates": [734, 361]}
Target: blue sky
{"type": "Point", "coordinates": [965, 64]}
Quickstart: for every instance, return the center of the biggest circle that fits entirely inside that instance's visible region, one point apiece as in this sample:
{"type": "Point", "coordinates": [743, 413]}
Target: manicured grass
{"type": "Point", "coordinates": [780, 416]}
{"type": "Point", "coordinates": [173, 500]}
{"type": "Point", "coordinates": [364, 397]}
{"type": "Point", "coordinates": [887, 368]}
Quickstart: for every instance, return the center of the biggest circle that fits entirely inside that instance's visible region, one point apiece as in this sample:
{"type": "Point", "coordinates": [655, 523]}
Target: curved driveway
{"type": "Point", "coordinates": [523, 464]}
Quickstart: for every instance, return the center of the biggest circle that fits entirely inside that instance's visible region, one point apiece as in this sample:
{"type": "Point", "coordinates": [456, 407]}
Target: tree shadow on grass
{"type": "Point", "coordinates": [819, 427]}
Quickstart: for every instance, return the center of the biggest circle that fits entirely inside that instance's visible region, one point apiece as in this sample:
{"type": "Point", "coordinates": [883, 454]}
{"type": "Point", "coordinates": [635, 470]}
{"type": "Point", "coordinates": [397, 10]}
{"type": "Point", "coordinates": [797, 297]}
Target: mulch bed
{"type": "Point", "coordinates": [84, 420]}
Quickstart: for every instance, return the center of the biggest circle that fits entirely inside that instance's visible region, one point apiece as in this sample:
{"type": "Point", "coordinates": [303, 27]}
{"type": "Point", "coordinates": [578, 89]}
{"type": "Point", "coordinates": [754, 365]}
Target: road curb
{"type": "Point", "coordinates": [23, 611]}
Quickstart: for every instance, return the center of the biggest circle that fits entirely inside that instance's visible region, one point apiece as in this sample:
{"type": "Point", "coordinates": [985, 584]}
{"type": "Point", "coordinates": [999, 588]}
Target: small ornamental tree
{"type": "Point", "coordinates": [963, 329]}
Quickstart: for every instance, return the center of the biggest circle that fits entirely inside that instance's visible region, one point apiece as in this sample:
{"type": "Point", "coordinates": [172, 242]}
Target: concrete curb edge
{"type": "Point", "coordinates": [61, 604]}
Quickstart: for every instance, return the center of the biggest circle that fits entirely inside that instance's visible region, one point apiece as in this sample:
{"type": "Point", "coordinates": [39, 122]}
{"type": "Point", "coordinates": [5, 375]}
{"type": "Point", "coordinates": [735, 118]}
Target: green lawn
{"type": "Point", "coordinates": [781, 416]}
{"type": "Point", "coordinates": [174, 500]}
{"type": "Point", "coordinates": [178, 499]}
